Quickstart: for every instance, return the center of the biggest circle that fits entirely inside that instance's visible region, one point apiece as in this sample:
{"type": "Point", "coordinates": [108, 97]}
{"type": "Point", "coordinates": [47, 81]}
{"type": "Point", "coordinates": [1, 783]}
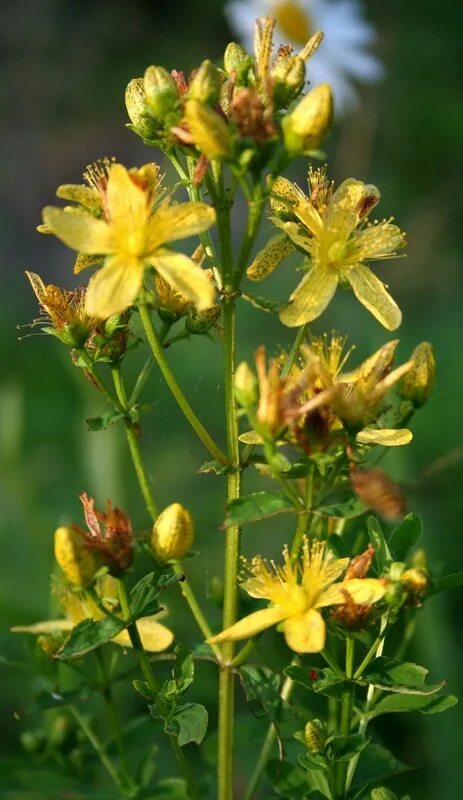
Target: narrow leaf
{"type": "Point", "coordinates": [377, 538]}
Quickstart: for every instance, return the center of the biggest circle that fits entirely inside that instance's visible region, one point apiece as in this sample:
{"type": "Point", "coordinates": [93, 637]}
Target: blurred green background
{"type": "Point", "coordinates": [65, 66]}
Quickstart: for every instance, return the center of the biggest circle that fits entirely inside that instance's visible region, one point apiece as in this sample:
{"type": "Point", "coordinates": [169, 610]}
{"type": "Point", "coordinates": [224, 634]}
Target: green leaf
{"type": "Point", "coordinates": [170, 789]}
{"type": "Point", "coordinates": [382, 553]}
{"type": "Point", "coordinates": [314, 761]}
{"type": "Point", "coordinates": [144, 596]}
{"type": "Point", "coordinates": [104, 420]}
{"type": "Point", "coordinates": [88, 635]}
{"type": "Point", "coordinates": [262, 688]}
{"type": "Point", "coordinates": [375, 764]}
{"type": "Point", "coordinates": [183, 673]}
{"type": "Point", "coordinates": [253, 507]}
{"type": "Point", "coordinates": [188, 723]}
{"type": "Point", "coordinates": [401, 677]}
{"type": "Point", "coordinates": [214, 466]}
{"type": "Point", "coordinates": [412, 702]}
{"type": "Point", "coordinates": [315, 796]}
{"type": "Point", "coordinates": [142, 688]}
{"type": "Point", "coordinates": [382, 793]}
{"type": "Point", "coordinates": [263, 303]}
{"type": "Point", "coordinates": [348, 509]}
{"type": "Point", "coordinates": [325, 681]}
{"type": "Point", "coordinates": [447, 582]}
{"type": "Point", "coordinates": [405, 536]}
{"type": "Point", "coordinates": [344, 748]}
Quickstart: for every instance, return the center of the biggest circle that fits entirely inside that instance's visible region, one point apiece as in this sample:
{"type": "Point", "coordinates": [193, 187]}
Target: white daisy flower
{"type": "Point", "coordinates": [343, 58]}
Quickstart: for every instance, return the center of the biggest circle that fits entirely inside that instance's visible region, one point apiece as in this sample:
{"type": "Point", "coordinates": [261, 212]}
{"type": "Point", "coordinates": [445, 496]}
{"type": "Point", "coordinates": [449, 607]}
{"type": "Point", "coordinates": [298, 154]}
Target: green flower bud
{"type": "Point", "coordinates": [60, 731]}
{"type": "Point", "coordinates": [245, 385]}
{"type": "Point", "coordinates": [209, 130]}
{"type": "Point", "coordinates": [205, 85]}
{"type": "Point", "coordinates": [306, 125]}
{"type": "Point", "coordinates": [161, 91]}
{"type": "Point", "coordinates": [288, 78]}
{"type": "Point", "coordinates": [237, 60]}
{"type": "Point", "coordinates": [173, 533]}
{"type": "Point", "coordinates": [73, 555]}
{"type": "Point", "coordinates": [202, 321]}
{"type": "Point", "coordinates": [381, 793]}
{"type": "Point", "coordinates": [418, 383]}
{"type": "Point", "coordinates": [315, 736]}
{"type": "Point", "coordinates": [137, 108]}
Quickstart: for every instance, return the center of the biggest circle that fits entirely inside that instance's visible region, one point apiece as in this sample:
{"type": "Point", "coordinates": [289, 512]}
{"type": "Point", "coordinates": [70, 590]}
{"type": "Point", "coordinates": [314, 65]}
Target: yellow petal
{"type": "Point", "coordinates": [154, 636]}
{"type": "Point", "coordinates": [83, 261]}
{"type": "Point", "coordinates": [276, 249]}
{"type": "Point", "coordinates": [80, 231]}
{"type": "Point", "coordinates": [305, 633]}
{"type": "Point", "coordinates": [248, 626]}
{"type": "Point", "coordinates": [287, 198]}
{"type": "Point", "coordinates": [171, 223]}
{"type": "Point", "coordinates": [185, 276]}
{"type": "Point", "coordinates": [47, 626]}
{"type": "Point", "coordinates": [127, 203]}
{"type": "Point", "coordinates": [77, 193]}
{"type": "Point", "coordinates": [310, 298]}
{"type": "Point", "coordinates": [351, 201]}
{"type": "Point", "coordinates": [378, 241]}
{"type": "Point", "coordinates": [114, 287]}
{"type": "Point", "coordinates": [364, 591]}
{"type": "Point", "coordinates": [372, 293]}
{"type": "Point", "coordinates": [388, 437]}
{"type": "Point", "coordinates": [296, 233]}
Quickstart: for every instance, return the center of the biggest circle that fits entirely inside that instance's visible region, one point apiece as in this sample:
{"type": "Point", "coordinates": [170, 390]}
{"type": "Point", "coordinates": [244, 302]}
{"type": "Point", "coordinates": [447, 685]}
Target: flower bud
{"type": "Point", "coordinates": [237, 60]}
{"type": "Point", "coordinates": [415, 580]}
{"type": "Point", "coordinates": [418, 383]}
{"type": "Point", "coordinates": [73, 555]}
{"type": "Point", "coordinates": [202, 321]}
{"type": "Point", "coordinates": [173, 533]}
{"type": "Point", "coordinates": [288, 78]}
{"type": "Point", "coordinates": [138, 110]}
{"type": "Point", "coordinates": [205, 85]}
{"type": "Point", "coordinates": [161, 91]}
{"type": "Point", "coordinates": [306, 125]}
{"type": "Point", "coordinates": [209, 130]}
{"type": "Point", "coordinates": [315, 736]}
{"type": "Point", "coordinates": [245, 385]}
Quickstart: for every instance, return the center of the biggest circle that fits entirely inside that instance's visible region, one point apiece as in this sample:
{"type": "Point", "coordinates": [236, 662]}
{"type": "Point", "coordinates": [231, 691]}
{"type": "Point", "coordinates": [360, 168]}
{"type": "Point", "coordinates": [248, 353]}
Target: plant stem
{"type": "Point", "coordinates": [379, 645]}
{"type": "Point", "coordinates": [195, 608]}
{"type": "Point", "coordinates": [169, 377]}
{"type": "Point", "coordinates": [256, 208]}
{"type": "Point", "coordinates": [100, 750]}
{"type": "Point", "coordinates": [147, 673]}
{"type": "Point", "coordinates": [294, 351]}
{"type": "Point", "coordinates": [91, 369]}
{"type": "Point", "coordinates": [114, 714]}
{"type": "Point", "coordinates": [141, 380]}
{"type": "Point", "coordinates": [266, 747]}
{"type": "Point", "coordinates": [134, 447]}
{"type": "Point", "coordinates": [232, 554]}
{"type": "Point", "coordinates": [347, 703]}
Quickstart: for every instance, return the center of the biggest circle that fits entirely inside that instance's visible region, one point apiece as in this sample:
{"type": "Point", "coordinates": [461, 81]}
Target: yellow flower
{"type": "Point", "coordinates": [77, 607]}
{"type": "Point", "coordinates": [330, 227]}
{"type": "Point", "coordinates": [296, 594]}
{"type": "Point", "coordinates": [133, 236]}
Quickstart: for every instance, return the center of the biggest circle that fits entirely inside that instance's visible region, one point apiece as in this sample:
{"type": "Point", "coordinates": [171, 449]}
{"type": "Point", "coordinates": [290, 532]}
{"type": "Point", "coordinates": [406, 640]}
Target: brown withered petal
{"type": "Point", "coordinates": [351, 615]}
{"type": "Point", "coordinates": [251, 117]}
{"type": "Point", "coordinates": [359, 566]}
{"type": "Point", "coordinates": [376, 490]}
{"type": "Point", "coordinates": [109, 532]}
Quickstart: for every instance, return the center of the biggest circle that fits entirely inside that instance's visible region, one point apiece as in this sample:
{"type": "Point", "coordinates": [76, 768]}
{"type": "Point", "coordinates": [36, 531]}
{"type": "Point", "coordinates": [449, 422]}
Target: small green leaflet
{"type": "Point", "coordinates": [405, 536]}
{"type": "Point", "coordinates": [412, 702]}
{"type": "Point", "coordinates": [88, 635]}
{"type": "Point", "coordinates": [400, 677]}
{"type": "Point", "coordinates": [257, 506]}
{"type": "Point", "coordinates": [188, 723]}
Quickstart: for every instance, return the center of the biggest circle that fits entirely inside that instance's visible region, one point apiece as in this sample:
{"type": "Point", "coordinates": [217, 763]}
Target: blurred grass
{"type": "Point", "coordinates": [65, 67]}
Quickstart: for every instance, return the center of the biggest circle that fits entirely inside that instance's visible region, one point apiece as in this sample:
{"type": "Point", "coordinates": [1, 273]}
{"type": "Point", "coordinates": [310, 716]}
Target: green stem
{"type": "Point", "coordinates": [114, 714]}
{"type": "Point", "coordinates": [195, 608]}
{"type": "Point", "coordinates": [266, 747]}
{"type": "Point", "coordinates": [231, 568]}
{"type": "Point", "coordinates": [169, 377]}
{"type": "Point", "coordinates": [147, 673]}
{"type": "Point", "coordinates": [294, 351]}
{"type": "Point", "coordinates": [379, 644]}
{"type": "Point", "coordinates": [347, 704]}
{"type": "Point", "coordinates": [141, 380]}
{"type": "Point", "coordinates": [91, 369]}
{"type": "Point", "coordinates": [134, 446]}
{"type": "Point", "coordinates": [256, 209]}
{"type": "Point", "coordinates": [100, 750]}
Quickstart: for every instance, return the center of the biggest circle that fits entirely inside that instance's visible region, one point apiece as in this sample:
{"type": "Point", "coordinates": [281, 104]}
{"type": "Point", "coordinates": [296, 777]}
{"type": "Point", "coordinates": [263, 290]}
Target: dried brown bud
{"type": "Point", "coordinates": [252, 118]}
{"type": "Point", "coordinates": [376, 490]}
{"type": "Point", "coordinates": [109, 533]}
{"type": "Point", "coordinates": [360, 565]}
